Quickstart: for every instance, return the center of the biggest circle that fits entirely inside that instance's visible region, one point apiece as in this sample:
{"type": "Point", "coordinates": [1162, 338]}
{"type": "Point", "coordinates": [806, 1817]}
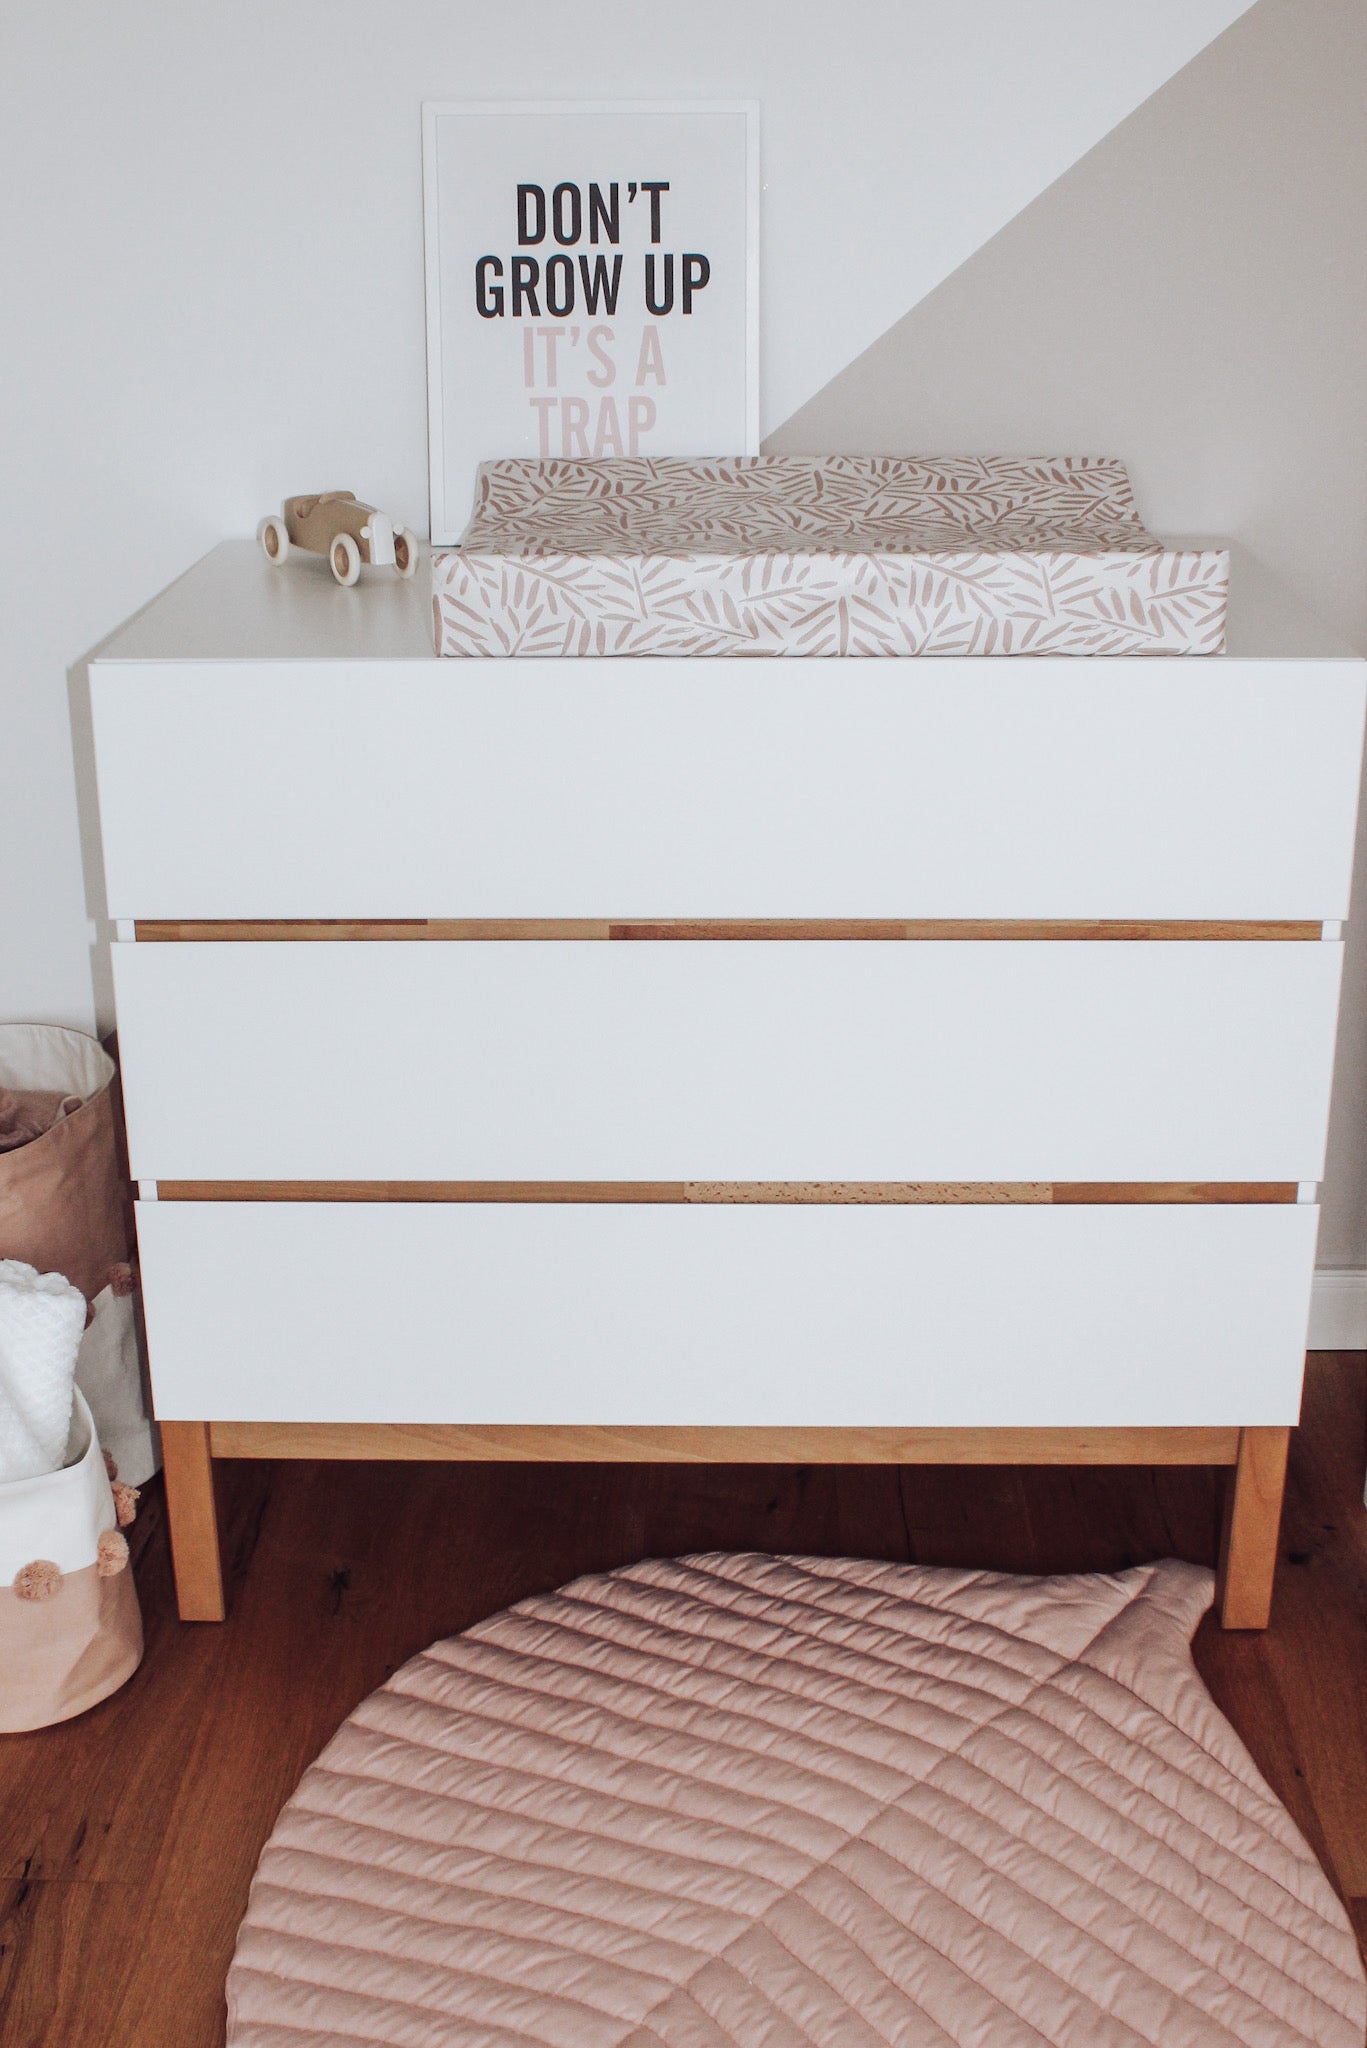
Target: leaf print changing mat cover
{"type": "Point", "coordinates": [820, 555]}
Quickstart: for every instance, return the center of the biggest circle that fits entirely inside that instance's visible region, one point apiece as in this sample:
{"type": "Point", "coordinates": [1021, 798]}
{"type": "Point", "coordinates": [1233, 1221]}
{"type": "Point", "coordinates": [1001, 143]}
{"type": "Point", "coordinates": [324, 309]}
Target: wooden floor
{"type": "Point", "coordinates": [129, 1837]}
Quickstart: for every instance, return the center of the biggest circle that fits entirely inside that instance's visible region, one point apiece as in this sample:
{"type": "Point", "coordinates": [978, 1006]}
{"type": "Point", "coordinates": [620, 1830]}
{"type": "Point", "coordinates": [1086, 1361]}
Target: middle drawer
{"type": "Point", "coordinates": [727, 1060]}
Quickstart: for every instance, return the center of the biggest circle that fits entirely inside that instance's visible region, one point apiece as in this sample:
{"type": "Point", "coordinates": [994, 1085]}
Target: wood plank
{"type": "Point", "coordinates": [1156, 1511]}
{"type": "Point", "coordinates": [1238, 1191]}
{"type": "Point", "coordinates": [1297, 1694]}
{"type": "Point", "coordinates": [1072, 1193]}
{"type": "Point", "coordinates": [192, 931]}
{"type": "Point", "coordinates": [160, 931]}
{"type": "Point", "coordinates": [1248, 1547]}
{"type": "Point", "coordinates": [948, 1523]}
{"type": "Point", "coordinates": [419, 1191]}
{"type": "Point", "coordinates": [801, 928]}
{"type": "Point", "coordinates": [1357, 1914]}
{"type": "Point", "coordinates": [577, 1444]}
{"type": "Point", "coordinates": [1085, 930]}
{"type": "Point", "coordinates": [1089, 930]}
{"type": "Point", "coordinates": [913, 1192]}
{"type": "Point", "coordinates": [193, 1511]}
{"type": "Point", "coordinates": [55, 1935]}
{"type": "Point", "coordinates": [1242, 1671]}
{"type": "Point", "coordinates": [1316, 1651]}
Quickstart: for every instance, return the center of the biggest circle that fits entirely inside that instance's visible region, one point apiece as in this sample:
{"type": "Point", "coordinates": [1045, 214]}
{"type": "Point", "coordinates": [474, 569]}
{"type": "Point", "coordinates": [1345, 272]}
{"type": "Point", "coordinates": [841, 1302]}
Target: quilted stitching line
{"type": "Point", "coordinates": [1036, 1962]}
{"type": "Point", "coordinates": [762, 1924]}
{"type": "Point", "coordinates": [957, 1639]}
{"type": "Point", "coordinates": [847, 1935]}
{"type": "Point", "coordinates": [1079, 1659]}
{"type": "Point", "coordinates": [944, 1955]}
{"type": "Point", "coordinates": [724, 1750]}
{"type": "Point", "coordinates": [537, 1655]}
{"type": "Point", "coordinates": [282, 2028]}
{"type": "Point", "coordinates": [500, 1812]}
{"type": "Point", "coordinates": [889, 1601]}
{"type": "Point", "coordinates": [795, 1641]}
{"type": "Point", "coordinates": [514, 1861]}
{"type": "Point", "coordinates": [1266, 1807]}
{"type": "Point", "coordinates": [824, 1863]}
{"type": "Point", "coordinates": [863, 1837]}
{"type": "Point", "coordinates": [627, 1805]}
{"type": "Point", "coordinates": [1308, 1863]}
{"type": "Point", "coordinates": [815, 1704]}
{"type": "Point", "coordinates": [810, 1969]}
{"type": "Point", "coordinates": [886, 1807]}
{"type": "Point", "coordinates": [325, 1864]}
{"type": "Point", "coordinates": [587, 1750]}
{"type": "Point", "coordinates": [818, 1570]}
{"type": "Point", "coordinates": [814, 1863]}
{"type": "Point", "coordinates": [276, 1888]}
{"type": "Point", "coordinates": [1099, 1762]}
{"type": "Point", "coordinates": [1187, 1831]}
{"type": "Point", "coordinates": [303, 1944]}
{"type": "Point", "coordinates": [1139, 1922]}
{"type": "Point", "coordinates": [1144, 1789]}
{"type": "Point", "coordinates": [798, 1661]}
{"type": "Point", "coordinates": [757, 1989]}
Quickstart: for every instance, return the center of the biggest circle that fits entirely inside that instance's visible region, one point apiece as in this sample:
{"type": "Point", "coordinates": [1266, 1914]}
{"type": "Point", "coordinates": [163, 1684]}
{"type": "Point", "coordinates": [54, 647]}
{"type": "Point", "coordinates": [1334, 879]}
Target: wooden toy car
{"type": "Point", "coordinates": [338, 525]}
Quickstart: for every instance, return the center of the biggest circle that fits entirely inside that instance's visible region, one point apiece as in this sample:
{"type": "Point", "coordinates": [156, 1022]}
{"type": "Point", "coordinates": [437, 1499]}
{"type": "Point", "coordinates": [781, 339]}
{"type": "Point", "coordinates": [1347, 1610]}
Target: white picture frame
{"type": "Point", "coordinates": [650, 207]}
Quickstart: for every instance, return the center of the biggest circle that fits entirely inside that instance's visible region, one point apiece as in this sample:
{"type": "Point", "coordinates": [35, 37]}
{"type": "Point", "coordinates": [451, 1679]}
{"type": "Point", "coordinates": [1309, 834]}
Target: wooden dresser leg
{"type": "Point", "coordinates": [193, 1515]}
{"type": "Point", "coordinates": [1253, 1515]}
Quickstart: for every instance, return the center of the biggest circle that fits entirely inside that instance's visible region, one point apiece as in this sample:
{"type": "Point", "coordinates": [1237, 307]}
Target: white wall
{"type": "Point", "coordinates": [211, 269]}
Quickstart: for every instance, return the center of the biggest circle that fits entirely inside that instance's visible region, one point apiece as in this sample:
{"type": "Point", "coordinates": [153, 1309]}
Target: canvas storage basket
{"type": "Point", "coordinates": [70, 1628]}
{"type": "Point", "coordinates": [65, 1208]}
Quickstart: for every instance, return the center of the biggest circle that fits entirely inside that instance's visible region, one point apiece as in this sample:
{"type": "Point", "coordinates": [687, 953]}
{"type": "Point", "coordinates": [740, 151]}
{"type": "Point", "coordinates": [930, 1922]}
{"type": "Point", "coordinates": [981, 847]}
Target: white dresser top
{"type": "Point", "coordinates": [233, 605]}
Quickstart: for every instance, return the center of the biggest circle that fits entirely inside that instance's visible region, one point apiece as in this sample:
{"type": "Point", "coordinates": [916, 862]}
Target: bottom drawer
{"type": "Point", "coordinates": [640, 1313]}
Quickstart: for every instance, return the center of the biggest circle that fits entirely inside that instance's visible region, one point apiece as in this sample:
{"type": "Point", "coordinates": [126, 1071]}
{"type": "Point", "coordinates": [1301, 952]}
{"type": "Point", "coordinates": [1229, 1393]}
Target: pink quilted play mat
{"type": "Point", "coordinates": [760, 1802]}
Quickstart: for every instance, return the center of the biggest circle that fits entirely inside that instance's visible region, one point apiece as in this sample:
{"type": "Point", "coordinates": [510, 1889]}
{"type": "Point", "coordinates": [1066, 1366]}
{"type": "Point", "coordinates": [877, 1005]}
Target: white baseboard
{"type": "Point", "coordinates": [1338, 1309]}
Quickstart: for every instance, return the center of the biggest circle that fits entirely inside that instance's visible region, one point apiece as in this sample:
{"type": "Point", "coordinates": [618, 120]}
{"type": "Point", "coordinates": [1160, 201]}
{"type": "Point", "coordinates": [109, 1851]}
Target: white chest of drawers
{"type": "Point", "coordinates": [845, 1059]}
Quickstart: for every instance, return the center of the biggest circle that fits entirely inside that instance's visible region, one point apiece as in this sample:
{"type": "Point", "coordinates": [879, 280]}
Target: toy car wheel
{"type": "Point", "coordinates": [274, 538]}
{"type": "Point", "coordinates": [405, 552]}
{"type": "Point", "coordinates": [345, 558]}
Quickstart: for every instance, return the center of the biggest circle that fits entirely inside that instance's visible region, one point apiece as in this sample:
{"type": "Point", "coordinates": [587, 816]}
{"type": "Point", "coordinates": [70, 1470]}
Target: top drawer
{"type": "Point", "coordinates": [680, 789]}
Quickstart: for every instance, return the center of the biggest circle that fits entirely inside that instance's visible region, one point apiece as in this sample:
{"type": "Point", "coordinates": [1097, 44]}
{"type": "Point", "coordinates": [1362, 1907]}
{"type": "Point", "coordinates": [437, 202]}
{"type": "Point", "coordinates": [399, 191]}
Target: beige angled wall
{"type": "Point", "coordinates": [1192, 296]}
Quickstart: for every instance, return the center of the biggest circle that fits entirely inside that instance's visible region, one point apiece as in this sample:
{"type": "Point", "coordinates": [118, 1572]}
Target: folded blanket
{"type": "Point", "coordinates": [41, 1320]}
{"type": "Point", "coordinates": [26, 1113]}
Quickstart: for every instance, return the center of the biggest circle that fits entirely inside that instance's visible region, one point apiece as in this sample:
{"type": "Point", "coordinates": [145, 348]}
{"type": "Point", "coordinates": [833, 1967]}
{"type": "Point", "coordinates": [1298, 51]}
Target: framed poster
{"type": "Point", "coordinates": [592, 284]}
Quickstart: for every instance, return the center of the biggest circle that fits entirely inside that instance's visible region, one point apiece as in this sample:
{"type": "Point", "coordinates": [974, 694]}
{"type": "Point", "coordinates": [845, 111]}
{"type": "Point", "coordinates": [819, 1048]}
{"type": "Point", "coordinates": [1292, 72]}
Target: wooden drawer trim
{"type": "Point", "coordinates": [590, 1444]}
{"type": "Point", "coordinates": [925, 1192]}
{"type": "Point", "coordinates": [158, 931]}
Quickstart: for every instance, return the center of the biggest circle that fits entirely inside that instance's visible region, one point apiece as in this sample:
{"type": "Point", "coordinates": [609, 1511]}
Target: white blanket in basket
{"type": "Point", "coordinates": [41, 1320]}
